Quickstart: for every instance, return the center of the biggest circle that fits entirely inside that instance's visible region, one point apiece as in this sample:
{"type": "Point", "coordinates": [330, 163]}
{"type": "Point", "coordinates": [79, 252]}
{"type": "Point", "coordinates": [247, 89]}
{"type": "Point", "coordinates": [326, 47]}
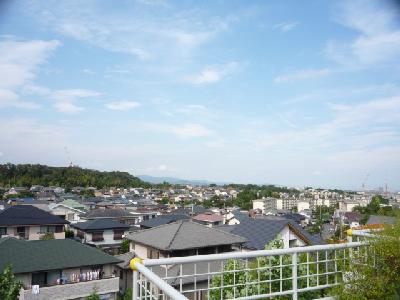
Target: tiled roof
{"type": "Point", "coordinates": [28, 215]}
{"type": "Point", "coordinates": [373, 219]}
{"type": "Point", "coordinates": [107, 213]}
{"type": "Point", "coordinates": [184, 235]}
{"type": "Point", "coordinates": [33, 256]}
{"type": "Point", "coordinates": [98, 224]}
{"type": "Point", "coordinates": [162, 220]}
{"type": "Point", "coordinates": [259, 232]}
{"type": "Point", "coordinates": [208, 218]}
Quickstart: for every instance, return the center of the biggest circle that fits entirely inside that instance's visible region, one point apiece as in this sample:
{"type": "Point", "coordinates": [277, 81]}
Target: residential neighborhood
{"type": "Point", "coordinates": [85, 242]}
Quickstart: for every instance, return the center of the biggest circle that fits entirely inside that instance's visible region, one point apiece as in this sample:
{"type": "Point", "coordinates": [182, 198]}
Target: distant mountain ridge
{"type": "Point", "coordinates": [174, 180]}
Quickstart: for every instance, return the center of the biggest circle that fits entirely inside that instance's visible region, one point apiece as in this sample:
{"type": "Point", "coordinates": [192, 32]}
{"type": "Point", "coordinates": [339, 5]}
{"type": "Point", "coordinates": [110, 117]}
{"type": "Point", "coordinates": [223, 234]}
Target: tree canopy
{"type": "Point", "coordinates": [67, 177]}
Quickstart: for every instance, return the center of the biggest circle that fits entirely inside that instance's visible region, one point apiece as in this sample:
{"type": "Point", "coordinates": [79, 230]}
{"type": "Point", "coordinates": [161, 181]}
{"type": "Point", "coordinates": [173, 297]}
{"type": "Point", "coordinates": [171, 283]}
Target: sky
{"type": "Point", "coordinates": [295, 93]}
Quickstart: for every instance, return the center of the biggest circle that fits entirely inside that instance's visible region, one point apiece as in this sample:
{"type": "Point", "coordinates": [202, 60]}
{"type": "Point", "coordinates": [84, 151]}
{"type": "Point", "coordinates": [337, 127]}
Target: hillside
{"type": "Point", "coordinates": [28, 175]}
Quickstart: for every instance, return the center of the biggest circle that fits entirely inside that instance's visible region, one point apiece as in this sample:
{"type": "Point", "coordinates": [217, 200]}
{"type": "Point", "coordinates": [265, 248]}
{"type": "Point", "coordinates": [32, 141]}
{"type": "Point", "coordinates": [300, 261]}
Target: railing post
{"type": "Point", "coordinates": [132, 266]}
{"type": "Point", "coordinates": [294, 275]}
{"type": "Point", "coordinates": [135, 285]}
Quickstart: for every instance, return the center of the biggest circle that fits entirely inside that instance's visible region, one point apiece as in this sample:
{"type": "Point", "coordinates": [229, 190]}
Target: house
{"type": "Point", "coordinates": [59, 269]}
{"type": "Point", "coordinates": [209, 220]}
{"type": "Point", "coordinates": [352, 219]}
{"type": "Point", "coordinates": [69, 210]}
{"type": "Point", "coordinates": [104, 233]}
{"type": "Point", "coordinates": [162, 220]}
{"type": "Point", "coordinates": [182, 238]}
{"type": "Point", "coordinates": [30, 223]}
{"type": "Point", "coordinates": [120, 215]}
{"type": "Point", "coordinates": [129, 217]}
{"type": "Point", "coordinates": [259, 232]}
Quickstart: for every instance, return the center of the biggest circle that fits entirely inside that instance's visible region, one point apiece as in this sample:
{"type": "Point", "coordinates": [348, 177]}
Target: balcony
{"type": "Point", "coordinates": [306, 272]}
{"type": "Point", "coordinates": [74, 290]}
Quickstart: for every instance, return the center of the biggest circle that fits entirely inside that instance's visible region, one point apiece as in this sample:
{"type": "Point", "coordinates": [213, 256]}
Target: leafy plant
{"type": "Point", "coordinates": [374, 269]}
{"type": "Point", "coordinates": [9, 286]}
{"type": "Point", "coordinates": [47, 236]}
{"type": "Point", "coordinates": [124, 246]}
{"type": "Point", "coordinates": [262, 276]}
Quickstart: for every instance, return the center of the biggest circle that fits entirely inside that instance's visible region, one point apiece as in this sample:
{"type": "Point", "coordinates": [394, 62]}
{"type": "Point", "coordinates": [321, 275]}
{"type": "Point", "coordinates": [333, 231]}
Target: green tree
{"type": "Point", "coordinates": [9, 286]}
{"type": "Point", "coordinates": [124, 246]}
{"type": "Point", "coordinates": [69, 234]}
{"type": "Point", "coordinates": [374, 274]}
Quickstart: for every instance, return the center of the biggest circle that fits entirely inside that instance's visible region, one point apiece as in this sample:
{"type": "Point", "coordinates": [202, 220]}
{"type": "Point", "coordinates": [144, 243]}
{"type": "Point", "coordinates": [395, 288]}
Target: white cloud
{"type": "Point", "coordinates": [379, 34]}
{"type": "Point", "coordinates": [286, 26]}
{"type": "Point", "coordinates": [19, 61]}
{"type": "Point", "coordinates": [192, 109]}
{"type": "Point", "coordinates": [302, 75]}
{"type": "Point", "coordinates": [122, 105]}
{"type": "Point", "coordinates": [191, 130]}
{"type": "Point", "coordinates": [186, 130]}
{"type": "Point", "coordinates": [134, 30]}
{"type": "Point", "coordinates": [162, 168]}
{"type": "Point", "coordinates": [212, 74]}
{"type": "Point", "coordinates": [65, 99]}
{"type": "Point", "coordinates": [68, 107]}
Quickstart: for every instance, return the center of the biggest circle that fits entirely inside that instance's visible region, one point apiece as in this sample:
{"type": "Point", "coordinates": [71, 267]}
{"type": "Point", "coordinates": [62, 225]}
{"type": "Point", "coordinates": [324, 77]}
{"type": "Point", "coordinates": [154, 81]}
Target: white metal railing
{"type": "Point", "coordinates": [288, 273]}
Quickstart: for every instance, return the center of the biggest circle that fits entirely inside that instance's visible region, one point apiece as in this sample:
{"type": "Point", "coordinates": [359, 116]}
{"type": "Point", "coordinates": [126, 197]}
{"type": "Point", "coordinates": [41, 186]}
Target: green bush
{"type": "Point", "coordinates": [373, 272]}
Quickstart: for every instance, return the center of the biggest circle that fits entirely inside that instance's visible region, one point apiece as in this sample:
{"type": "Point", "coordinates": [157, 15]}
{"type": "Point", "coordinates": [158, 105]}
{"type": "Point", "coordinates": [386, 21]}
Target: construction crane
{"type": "Point", "coordinates": [68, 156]}
{"type": "Point", "coordinates": [364, 182]}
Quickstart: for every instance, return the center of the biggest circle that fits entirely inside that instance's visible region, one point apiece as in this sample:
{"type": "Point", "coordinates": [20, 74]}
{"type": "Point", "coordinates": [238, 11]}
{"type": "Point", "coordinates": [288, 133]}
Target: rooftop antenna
{"type": "Point", "coordinates": [68, 157]}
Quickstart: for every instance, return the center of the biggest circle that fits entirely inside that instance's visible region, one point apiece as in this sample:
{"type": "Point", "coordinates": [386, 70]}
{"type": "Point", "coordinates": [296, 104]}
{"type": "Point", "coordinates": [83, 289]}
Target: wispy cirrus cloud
{"type": "Point", "coordinates": [286, 26]}
{"type": "Point", "coordinates": [19, 62]}
{"type": "Point", "coordinates": [65, 100]}
{"type": "Point", "coordinates": [122, 105]}
{"type": "Point", "coordinates": [302, 75]}
{"type": "Point", "coordinates": [185, 130]}
{"type": "Point", "coordinates": [137, 30]}
{"type": "Point", "coordinates": [379, 33]}
{"type": "Point", "coordinates": [213, 74]}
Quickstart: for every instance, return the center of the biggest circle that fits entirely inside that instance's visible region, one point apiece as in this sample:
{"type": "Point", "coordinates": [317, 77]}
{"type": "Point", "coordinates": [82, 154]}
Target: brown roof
{"type": "Point", "coordinates": [208, 218]}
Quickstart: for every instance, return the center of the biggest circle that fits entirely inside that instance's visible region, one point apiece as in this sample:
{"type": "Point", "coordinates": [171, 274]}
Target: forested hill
{"type": "Point", "coordinates": [28, 175]}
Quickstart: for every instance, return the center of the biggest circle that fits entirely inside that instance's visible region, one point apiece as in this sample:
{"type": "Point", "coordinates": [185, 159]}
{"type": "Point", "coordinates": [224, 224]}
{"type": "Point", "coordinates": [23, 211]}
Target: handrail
{"type": "Point", "coordinates": [161, 284]}
{"type": "Point", "coordinates": [251, 254]}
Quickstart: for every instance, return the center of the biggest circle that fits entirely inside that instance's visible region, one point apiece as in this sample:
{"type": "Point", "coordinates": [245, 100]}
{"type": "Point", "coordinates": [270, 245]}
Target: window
{"type": "Point", "coordinates": [97, 236]}
{"type": "Point", "coordinates": [21, 232]}
{"type": "Point", "coordinates": [3, 231]}
{"type": "Point", "coordinates": [152, 254]}
{"type": "Point", "coordinates": [48, 229]}
{"type": "Point", "coordinates": [118, 234]}
{"type": "Point", "coordinates": [292, 243]}
{"type": "Point", "coordinates": [39, 278]}
{"type": "Point", "coordinates": [59, 228]}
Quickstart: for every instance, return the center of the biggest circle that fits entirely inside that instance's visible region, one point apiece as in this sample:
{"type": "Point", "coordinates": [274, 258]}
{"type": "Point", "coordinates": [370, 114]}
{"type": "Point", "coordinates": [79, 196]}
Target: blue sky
{"type": "Point", "coordinates": [287, 92]}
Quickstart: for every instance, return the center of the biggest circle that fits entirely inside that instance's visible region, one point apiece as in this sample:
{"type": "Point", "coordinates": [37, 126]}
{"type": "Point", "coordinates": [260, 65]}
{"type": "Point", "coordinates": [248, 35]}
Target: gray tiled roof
{"type": "Point", "coordinates": [98, 224]}
{"type": "Point", "coordinates": [373, 219]}
{"type": "Point", "coordinates": [184, 235]}
{"type": "Point", "coordinates": [107, 213]}
{"type": "Point", "coordinates": [32, 256]}
{"type": "Point", "coordinates": [28, 215]}
{"type": "Point", "coordinates": [162, 220]}
{"type": "Point", "coordinates": [259, 232]}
